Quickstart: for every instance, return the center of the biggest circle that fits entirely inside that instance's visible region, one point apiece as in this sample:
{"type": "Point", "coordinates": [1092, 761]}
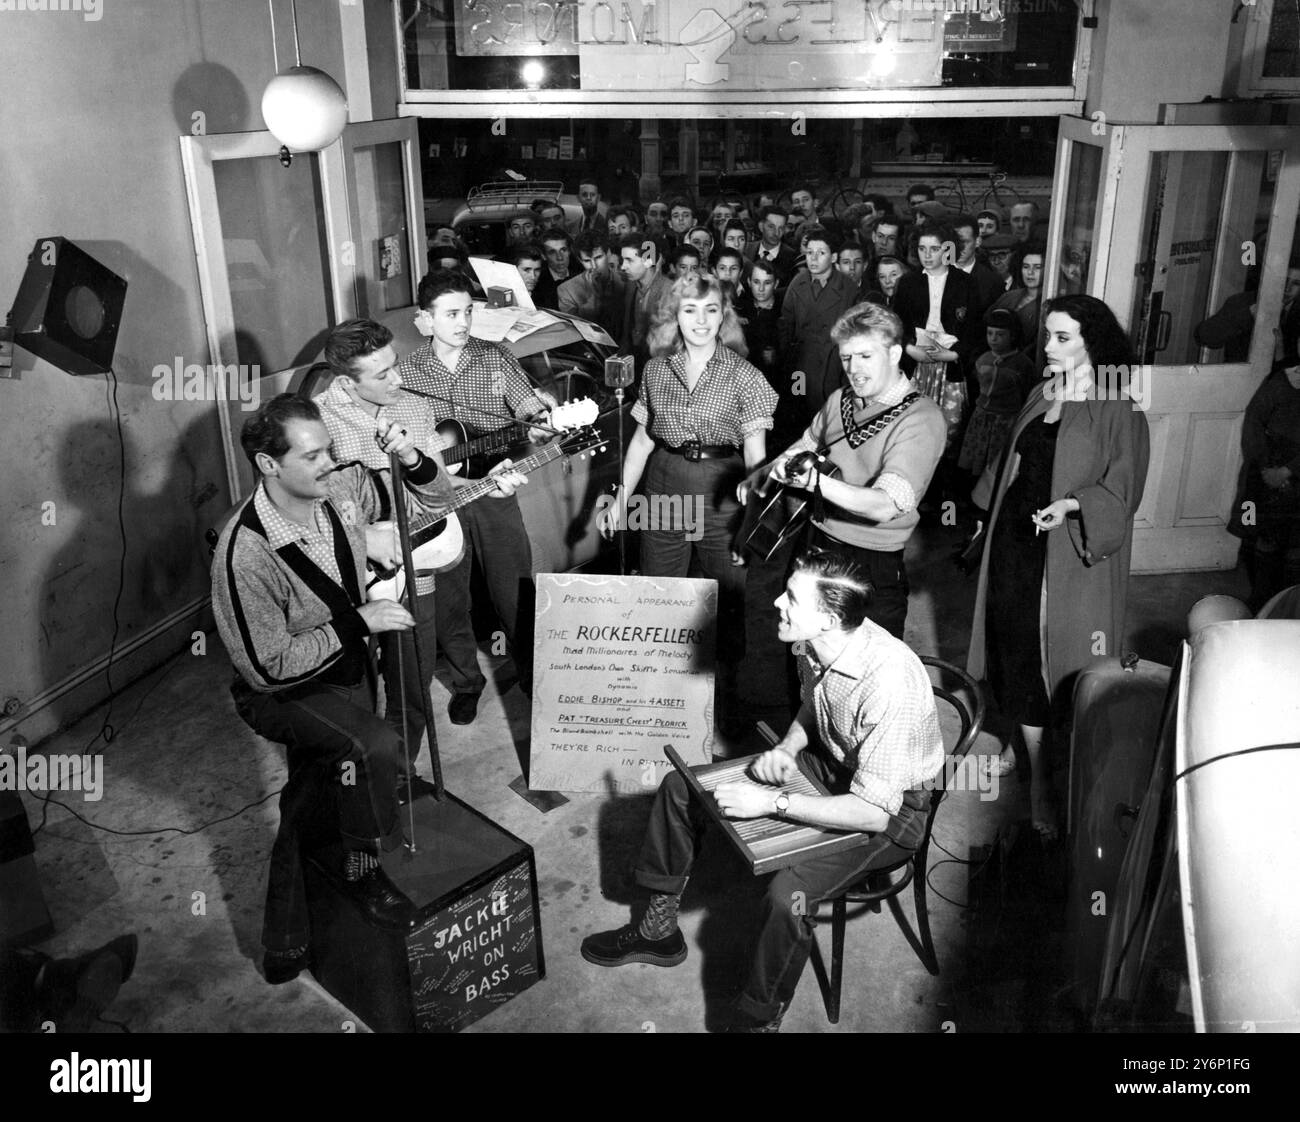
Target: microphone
{"type": "Point", "coordinates": [620, 371]}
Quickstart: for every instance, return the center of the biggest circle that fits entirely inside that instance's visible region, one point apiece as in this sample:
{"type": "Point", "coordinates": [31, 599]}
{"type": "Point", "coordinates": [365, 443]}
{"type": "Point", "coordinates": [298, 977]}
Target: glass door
{"type": "Point", "coordinates": [386, 210]}
{"type": "Point", "coordinates": [1191, 229]}
{"type": "Point", "coordinates": [286, 253]}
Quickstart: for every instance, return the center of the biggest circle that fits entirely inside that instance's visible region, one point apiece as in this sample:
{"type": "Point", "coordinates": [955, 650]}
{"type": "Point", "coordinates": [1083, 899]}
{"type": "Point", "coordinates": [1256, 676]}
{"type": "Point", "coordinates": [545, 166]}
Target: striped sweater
{"type": "Point", "coordinates": [283, 620]}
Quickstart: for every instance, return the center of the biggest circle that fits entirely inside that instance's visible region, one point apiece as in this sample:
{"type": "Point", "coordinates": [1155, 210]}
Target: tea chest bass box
{"type": "Point", "coordinates": [475, 941]}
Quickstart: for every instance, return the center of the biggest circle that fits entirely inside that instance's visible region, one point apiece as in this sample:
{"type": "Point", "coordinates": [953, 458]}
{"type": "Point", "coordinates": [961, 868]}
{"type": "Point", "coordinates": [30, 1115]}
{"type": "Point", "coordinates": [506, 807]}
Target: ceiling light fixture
{"type": "Point", "coordinates": [303, 107]}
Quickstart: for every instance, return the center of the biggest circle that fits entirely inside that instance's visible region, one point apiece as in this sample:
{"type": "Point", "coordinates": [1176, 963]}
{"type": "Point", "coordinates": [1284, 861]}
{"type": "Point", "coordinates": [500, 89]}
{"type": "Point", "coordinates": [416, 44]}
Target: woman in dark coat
{"type": "Point", "coordinates": [1054, 577]}
{"type": "Point", "coordinates": [1268, 509]}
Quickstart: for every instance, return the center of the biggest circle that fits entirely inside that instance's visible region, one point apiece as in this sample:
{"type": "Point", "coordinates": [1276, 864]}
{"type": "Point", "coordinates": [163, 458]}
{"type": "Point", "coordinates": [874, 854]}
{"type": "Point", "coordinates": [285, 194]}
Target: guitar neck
{"type": "Point", "coordinates": [425, 527]}
{"type": "Point", "coordinates": [497, 441]}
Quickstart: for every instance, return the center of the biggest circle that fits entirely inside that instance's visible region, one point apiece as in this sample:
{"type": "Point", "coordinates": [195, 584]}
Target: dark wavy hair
{"type": "Point", "coordinates": [1107, 342]}
{"type": "Point", "coordinates": [665, 334]}
{"type": "Point", "coordinates": [1018, 255]}
{"type": "Point", "coordinates": [264, 431]}
{"type": "Point", "coordinates": [353, 339]}
{"type": "Point", "coordinates": [439, 282]}
{"type": "Point", "coordinates": [843, 587]}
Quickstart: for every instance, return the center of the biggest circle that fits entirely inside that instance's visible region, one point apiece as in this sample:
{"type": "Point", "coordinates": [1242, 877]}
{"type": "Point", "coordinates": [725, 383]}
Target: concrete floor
{"type": "Point", "coordinates": [194, 893]}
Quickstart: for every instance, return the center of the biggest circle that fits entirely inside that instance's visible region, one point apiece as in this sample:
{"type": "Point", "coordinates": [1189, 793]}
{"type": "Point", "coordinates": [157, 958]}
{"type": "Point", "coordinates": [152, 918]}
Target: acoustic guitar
{"type": "Point", "coordinates": [773, 519]}
{"type": "Point", "coordinates": [475, 457]}
{"type": "Point", "coordinates": [438, 541]}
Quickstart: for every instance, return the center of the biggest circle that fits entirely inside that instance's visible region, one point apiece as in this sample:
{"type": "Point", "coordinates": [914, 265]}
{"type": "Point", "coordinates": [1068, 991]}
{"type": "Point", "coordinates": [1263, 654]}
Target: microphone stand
{"type": "Point", "coordinates": [619, 374]}
{"type": "Point", "coordinates": [622, 491]}
{"type": "Point", "coordinates": [408, 565]}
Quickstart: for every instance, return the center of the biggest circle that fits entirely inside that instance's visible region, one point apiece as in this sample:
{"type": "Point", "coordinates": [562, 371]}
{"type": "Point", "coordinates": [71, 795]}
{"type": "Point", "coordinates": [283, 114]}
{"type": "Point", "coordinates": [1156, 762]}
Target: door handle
{"type": "Point", "coordinates": [1164, 323]}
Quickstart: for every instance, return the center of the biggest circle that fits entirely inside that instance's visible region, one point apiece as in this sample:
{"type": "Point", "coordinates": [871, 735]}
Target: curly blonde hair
{"type": "Point", "coordinates": [665, 336]}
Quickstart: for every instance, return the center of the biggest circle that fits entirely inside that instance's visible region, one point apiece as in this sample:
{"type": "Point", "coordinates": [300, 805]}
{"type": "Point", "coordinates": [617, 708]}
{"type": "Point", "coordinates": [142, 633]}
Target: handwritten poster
{"type": "Point", "coordinates": [621, 667]}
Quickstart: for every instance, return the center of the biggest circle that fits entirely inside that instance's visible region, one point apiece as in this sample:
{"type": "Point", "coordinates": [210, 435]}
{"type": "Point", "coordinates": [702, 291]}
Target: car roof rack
{"type": "Point", "coordinates": [513, 193]}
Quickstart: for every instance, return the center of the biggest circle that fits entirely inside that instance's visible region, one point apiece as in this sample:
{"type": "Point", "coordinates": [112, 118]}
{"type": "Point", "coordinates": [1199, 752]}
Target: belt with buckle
{"type": "Point", "coordinates": [693, 451]}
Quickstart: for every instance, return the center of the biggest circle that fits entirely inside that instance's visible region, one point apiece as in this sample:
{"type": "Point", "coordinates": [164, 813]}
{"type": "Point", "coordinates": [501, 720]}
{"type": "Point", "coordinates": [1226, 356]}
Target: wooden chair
{"type": "Point", "coordinates": [888, 882]}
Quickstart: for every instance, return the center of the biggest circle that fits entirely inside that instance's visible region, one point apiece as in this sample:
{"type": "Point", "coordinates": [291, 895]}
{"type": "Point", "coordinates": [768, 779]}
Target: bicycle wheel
{"type": "Point", "coordinates": [845, 198]}
{"type": "Point", "coordinates": [951, 195]}
{"type": "Point", "coordinates": [1000, 196]}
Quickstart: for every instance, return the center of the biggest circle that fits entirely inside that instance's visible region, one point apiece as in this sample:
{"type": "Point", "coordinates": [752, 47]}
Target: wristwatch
{"type": "Point", "coordinates": [782, 804]}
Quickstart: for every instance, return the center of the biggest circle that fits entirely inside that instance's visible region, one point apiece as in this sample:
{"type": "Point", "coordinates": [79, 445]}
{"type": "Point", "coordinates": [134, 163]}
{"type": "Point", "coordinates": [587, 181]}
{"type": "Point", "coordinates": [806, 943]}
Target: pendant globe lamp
{"type": "Point", "coordinates": [303, 107]}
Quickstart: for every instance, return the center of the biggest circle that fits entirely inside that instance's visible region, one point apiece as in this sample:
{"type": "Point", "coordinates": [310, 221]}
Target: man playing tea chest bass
{"type": "Point", "coordinates": [885, 440]}
{"type": "Point", "coordinates": [482, 386]}
{"type": "Point", "coordinates": [288, 581]}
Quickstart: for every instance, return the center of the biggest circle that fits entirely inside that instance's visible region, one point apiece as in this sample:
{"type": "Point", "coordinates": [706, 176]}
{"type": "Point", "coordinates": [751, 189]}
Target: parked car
{"type": "Point", "coordinates": [1185, 847]}
{"type": "Point", "coordinates": [482, 217]}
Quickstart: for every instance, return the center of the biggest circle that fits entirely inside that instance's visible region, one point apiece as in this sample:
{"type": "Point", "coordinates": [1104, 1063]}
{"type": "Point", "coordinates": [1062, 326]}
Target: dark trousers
{"type": "Point", "coordinates": [341, 757]}
{"type": "Point", "coordinates": [19, 1005]}
{"type": "Point", "coordinates": [767, 682]}
{"type": "Point", "coordinates": [494, 530]}
{"type": "Point", "coordinates": [888, 580]}
{"type": "Point", "coordinates": [701, 498]}
{"type": "Point", "coordinates": [403, 690]}
{"type": "Point", "coordinates": [785, 933]}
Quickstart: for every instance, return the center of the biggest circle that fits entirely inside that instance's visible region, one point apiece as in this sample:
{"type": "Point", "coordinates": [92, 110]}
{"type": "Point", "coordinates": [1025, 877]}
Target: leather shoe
{"type": "Point", "coordinates": [379, 899]}
{"type": "Point", "coordinates": [408, 790]}
{"type": "Point", "coordinates": [626, 944]}
{"type": "Point", "coordinates": [463, 708]}
{"type": "Point", "coordinates": [75, 991]}
{"type": "Point", "coordinates": [278, 968]}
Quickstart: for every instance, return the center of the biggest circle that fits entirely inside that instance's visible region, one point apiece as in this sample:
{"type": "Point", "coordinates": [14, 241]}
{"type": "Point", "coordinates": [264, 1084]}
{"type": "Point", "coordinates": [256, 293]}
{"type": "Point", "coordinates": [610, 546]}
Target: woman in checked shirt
{"type": "Point", "coordinates": [702, 421]}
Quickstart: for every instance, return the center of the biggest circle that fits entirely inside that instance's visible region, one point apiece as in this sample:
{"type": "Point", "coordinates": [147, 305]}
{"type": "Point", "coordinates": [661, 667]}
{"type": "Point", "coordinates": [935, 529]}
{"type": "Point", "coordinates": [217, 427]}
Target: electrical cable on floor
{"type": "Point", "coordinates": [159, 829]}
{"type": "Point", "coordinates": [46, 796]}
{"type": "Point", "coordinates": [106, 730]}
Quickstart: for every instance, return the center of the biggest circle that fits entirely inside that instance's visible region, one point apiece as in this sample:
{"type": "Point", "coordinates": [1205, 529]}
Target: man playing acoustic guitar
{"type": "Point", "coordinates": [884, 442]}
{"type": "Point", "coordinates": [365, 396]}
{"type": "Point", "coordinates": [482, 386]}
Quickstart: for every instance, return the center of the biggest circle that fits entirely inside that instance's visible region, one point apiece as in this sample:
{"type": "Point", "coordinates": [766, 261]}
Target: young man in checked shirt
{"type": "Point", "coordinates": [366, 395]}
{"type": "Point", "coordinates": [866, 727]}
{"type": "Point", "coordinates": [482, 386]}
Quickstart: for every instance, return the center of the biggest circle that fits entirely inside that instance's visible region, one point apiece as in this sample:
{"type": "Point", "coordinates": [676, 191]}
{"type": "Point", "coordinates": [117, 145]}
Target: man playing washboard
{"type": "Point", "coordinates": [867, 728]}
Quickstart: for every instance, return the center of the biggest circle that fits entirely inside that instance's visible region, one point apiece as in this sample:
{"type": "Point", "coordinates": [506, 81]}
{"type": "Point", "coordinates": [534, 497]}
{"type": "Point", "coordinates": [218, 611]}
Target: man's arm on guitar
{"type": "Point", "coordinates": [757, 479]}
{"type": "Point", "coordinates": [874, 502]}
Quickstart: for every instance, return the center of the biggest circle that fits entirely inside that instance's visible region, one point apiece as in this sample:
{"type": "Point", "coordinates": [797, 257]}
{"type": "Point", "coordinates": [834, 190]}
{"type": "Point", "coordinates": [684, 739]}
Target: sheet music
{"type": "Point", "coordinates": [937, 339]}
{"type": "Point", "coordinates": [527, 322]}
{"type": "Point", "coordinates": [592, 332]}
{"type": "Point", "coordinates": [493, 325]}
